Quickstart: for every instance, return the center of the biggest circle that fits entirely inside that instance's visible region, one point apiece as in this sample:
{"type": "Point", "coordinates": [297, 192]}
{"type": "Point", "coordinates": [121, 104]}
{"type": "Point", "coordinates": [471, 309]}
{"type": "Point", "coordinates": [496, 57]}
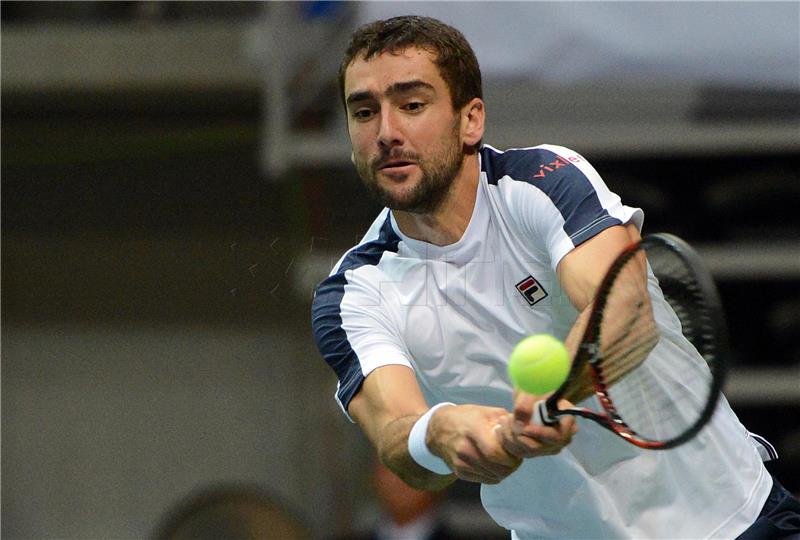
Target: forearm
{"type": "Point", "coordinates": [390, 404]}
{"type": "Point", "coordinates": [628, 330]}
{"type": "Point", "coordinates": [582, 271]}
{"type": "Point", "coordinates": [575, 335]}
{"type": "Point", "coordinates": [393, 451]}
{"type": "Point", "coordinates": [387, 407]}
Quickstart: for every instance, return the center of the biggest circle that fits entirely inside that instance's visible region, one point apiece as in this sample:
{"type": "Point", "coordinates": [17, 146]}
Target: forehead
{"type": "Point", "coordinates": [387, 68]}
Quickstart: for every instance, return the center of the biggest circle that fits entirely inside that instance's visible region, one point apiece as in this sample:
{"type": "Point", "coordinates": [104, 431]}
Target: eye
{"type": "Point", "coordinates": [413, 106]}
{"type": "Point", "coordinates": [363, 114]}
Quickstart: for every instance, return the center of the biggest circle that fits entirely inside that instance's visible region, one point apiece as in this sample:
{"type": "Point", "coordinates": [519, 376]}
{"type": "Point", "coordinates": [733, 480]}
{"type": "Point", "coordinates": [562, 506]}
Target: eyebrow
{"type": "Point", "coordinates": [396, 88]}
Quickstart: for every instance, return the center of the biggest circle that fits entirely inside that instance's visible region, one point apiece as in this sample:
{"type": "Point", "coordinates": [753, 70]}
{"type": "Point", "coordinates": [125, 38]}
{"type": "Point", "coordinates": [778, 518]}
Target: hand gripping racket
{"type": "Point", "coordinates": [656, 365]}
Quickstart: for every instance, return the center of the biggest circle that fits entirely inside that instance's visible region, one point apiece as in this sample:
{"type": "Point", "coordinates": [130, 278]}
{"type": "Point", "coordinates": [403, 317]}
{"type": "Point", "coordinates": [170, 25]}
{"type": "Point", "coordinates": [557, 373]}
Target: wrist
{"type": "Point", "coordinates": [418, 446]}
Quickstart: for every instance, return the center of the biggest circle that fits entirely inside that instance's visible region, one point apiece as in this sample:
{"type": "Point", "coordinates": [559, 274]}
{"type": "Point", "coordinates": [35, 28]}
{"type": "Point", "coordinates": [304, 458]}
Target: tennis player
{"type": "Point", "coordinates": [476, 249]}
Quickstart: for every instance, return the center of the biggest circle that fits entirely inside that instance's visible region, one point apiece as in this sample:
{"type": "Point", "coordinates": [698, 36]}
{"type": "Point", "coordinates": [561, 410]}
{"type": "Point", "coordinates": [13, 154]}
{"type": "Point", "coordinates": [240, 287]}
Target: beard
{"type": "Point", "coordinates": [428, 194]}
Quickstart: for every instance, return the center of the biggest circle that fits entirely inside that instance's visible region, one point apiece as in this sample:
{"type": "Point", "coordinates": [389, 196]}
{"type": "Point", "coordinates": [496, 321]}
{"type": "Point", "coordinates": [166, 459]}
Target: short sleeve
{"type": "Point", "coordinates": [354, 331]}
{"type": "Point", "coordinates": [558, 198]}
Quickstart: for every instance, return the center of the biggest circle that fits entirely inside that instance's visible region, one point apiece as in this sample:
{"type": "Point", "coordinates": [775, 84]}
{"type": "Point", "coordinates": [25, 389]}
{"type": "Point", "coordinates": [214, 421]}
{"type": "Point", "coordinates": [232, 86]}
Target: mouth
{"type": "Point", "coordinates": [397, 166]}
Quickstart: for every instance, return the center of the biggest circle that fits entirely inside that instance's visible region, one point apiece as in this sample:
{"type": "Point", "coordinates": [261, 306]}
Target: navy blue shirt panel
{"type": "Point", "coordinates": [326, 313]}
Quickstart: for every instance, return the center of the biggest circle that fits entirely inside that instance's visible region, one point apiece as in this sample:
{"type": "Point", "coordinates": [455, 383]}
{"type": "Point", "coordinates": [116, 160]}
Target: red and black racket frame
{"type": "Point", "coordinates": [589, 351]}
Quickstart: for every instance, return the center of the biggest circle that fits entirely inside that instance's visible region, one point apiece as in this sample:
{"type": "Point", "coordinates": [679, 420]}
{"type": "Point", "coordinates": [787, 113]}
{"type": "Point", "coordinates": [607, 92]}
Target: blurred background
{"type": "Point", "coordinates": [176, 178]}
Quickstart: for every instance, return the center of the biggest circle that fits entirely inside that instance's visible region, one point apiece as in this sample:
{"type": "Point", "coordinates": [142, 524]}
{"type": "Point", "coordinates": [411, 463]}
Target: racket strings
{"type": "Point", "coordinates": [688, 299]}
{"type": "Point", "coordinates": [625, 337]}
{"type": "Point", "coordinates": [627, 330]}
{"type": "Point", "coordinates": [660, 395]}
{"type": "Point", "coordinates": [656, 411]}
{"type": "Point", "coordinates": [619, 358]}
{"type": "Point", "coordinates": [627, 360]}
{"type": "Point", "coordinates": [653, 355]}
{"type": "Point", "coordinates": [640, 402]}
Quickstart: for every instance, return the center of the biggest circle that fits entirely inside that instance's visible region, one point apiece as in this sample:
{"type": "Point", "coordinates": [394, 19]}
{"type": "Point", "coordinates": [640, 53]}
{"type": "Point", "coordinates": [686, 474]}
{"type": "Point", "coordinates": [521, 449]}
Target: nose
{"type": "Point", "coordinates": [389, 133]}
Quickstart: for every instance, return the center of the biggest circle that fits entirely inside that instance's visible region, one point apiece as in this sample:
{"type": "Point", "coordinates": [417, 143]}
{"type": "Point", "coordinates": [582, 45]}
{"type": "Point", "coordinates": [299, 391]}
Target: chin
{"type": "Point", "coordinates": [399, 188]}
{"type": "Point", "coordinates": [394, 179]}
{"type": "Point", "coordinates": [402, 199]}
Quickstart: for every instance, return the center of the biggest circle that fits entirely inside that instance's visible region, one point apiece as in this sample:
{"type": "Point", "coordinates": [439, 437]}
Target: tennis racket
{"type": "Point", "coordinates": [655, 362]}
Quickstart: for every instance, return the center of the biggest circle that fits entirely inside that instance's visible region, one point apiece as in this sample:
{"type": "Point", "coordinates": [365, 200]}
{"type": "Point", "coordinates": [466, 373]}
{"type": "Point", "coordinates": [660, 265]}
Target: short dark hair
{"type": "Point", "coordinates": [455, 59]}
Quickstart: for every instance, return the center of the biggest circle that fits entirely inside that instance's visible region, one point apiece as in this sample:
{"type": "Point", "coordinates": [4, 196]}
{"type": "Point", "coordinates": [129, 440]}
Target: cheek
{"type": "Point", "coordinates": [360, 143]}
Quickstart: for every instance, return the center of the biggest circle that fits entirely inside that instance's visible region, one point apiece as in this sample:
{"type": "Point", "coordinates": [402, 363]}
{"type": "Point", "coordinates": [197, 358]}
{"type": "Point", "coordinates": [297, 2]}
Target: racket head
{"type": "Point", "coordinates": [690, 290]}
{"type": "Point", "coordinates": [661, 398]}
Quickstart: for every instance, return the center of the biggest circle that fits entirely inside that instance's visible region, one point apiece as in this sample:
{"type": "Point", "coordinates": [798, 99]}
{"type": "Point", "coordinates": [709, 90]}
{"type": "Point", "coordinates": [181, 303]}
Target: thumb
{"type": "Point", "coordinates": [523, 407]}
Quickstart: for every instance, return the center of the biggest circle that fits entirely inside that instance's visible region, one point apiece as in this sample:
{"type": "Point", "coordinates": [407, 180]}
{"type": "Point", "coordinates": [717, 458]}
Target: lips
{"type": "Point", "coordinates": [395, 164]}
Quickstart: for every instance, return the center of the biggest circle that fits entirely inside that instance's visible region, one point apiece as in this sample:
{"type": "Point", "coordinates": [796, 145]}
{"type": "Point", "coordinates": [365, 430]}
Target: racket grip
{"type": "Point", "coordinates": [541, 416]}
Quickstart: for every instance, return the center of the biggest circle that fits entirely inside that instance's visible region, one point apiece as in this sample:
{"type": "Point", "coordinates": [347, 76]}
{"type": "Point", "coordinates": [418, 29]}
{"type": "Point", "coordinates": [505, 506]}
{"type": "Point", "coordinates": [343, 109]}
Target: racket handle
{"type": "Point", "coordinates": [541, 416]}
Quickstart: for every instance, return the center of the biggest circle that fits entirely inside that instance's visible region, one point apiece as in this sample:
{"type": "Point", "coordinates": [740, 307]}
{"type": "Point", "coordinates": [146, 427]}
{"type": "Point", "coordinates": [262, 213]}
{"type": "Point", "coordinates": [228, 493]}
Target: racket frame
{"type": "Point", "coordinates": [588, 356]}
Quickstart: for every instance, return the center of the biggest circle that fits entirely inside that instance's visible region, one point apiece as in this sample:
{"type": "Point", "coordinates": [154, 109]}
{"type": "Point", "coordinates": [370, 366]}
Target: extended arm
{"type": "Point", "coordinates": [389, 404]}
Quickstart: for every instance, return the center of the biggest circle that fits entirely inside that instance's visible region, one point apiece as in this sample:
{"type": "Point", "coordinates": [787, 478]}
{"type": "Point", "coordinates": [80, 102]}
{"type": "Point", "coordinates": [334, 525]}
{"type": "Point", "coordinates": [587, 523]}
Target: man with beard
{"type": "Point", "coordinates": [419, 318]}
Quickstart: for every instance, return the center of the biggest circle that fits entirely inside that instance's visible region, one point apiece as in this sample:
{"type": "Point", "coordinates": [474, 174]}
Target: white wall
{"type": "Point", "coordinates": [748, 43]}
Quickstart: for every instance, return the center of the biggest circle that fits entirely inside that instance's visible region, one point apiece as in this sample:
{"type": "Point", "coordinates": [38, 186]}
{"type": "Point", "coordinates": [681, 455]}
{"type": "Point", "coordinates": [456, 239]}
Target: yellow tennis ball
{"type": "Point", "coordinates": [539, 364]}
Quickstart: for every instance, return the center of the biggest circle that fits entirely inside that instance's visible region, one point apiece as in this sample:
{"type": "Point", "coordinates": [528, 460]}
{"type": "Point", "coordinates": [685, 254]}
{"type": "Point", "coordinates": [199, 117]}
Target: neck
{"type": "Point", "coordinates": [446, 224]}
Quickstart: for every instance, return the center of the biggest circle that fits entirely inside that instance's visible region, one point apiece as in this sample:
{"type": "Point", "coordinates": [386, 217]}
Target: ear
{"type": "Point", "coordinates": [353, 157]}
{"type": "Point", "coordinates": [473, 116]}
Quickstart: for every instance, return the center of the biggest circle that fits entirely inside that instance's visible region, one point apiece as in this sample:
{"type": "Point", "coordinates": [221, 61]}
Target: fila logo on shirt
{"type": "Point", "coordinates": [531, 290]}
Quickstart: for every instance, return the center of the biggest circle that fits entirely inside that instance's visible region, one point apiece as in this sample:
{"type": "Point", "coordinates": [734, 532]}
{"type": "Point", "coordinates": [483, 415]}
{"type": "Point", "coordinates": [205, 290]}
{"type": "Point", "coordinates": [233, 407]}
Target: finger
{"type": "Point", "coordinates": [519, 447]}
{"type": "Point", "coordinates": [507, 439]}
{"type": "Point", "coordinates": [557, 434]}
{"type": "Point", "coordinates": [567, 422]}
{"type": "Point", "coordinates": [472, 473]}
{"type": "Point", "coordinates": [475, 471]}
{"type": "Point", "coordinates": [493, 457]}
{"type": "Point", "coordinates": [567, 425]}
{"type": "Point", "coordinates": [469, 476]}
{"type": "Point", "coordinates": [491, 452]}
{"type": "Point", "coordinates": [504, 437]}
{"type": "Point", "coordinates": [499, 471]}
{"type": "Point", "coordinates": [528, 447]}
{"type": "Point", "coordinates": [523, 407]}
{"type": "Point", "coordinates": [471, 460]}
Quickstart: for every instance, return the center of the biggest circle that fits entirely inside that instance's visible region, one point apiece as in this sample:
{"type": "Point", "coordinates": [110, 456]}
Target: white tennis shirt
{"type": "Point", "coordinates": [454, 313]}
